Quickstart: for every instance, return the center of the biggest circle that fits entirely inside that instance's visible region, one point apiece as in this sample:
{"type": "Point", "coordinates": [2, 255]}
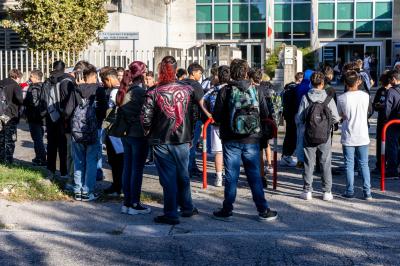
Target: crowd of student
{"type": "Point", "coordinates": [138, 119]}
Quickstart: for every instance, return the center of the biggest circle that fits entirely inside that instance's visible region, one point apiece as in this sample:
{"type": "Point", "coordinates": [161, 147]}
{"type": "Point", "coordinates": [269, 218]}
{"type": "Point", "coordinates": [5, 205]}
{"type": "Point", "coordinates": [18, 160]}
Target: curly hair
{"type": "Point", "coordinates": [239, 69]}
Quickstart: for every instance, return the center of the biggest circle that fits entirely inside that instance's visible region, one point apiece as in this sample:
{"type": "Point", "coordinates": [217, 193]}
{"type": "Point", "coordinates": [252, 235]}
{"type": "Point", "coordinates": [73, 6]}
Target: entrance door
{"type": "Point", "coordinates": [256, 56]}
{"type": "Point", "coordinates": [350, 52]}
{"type": "Point", "coordinates": [375, 66]}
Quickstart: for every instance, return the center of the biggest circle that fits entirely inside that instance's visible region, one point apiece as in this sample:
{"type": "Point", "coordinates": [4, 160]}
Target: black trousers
{"type": "Point", "coordinates": [116, 162]}
{"type": "Point", "coordinates": [56, 143]}
{"type": "Point", "coordinates": [290, 141]}
{"type": "Point", "coordinates": [379, 128]}
{"type": "Point", "coordinates": [8, 137]}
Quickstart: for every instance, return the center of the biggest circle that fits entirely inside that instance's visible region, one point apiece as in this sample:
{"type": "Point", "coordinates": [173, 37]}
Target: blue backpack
{"type": "Point", "coordinates": [84, 121]}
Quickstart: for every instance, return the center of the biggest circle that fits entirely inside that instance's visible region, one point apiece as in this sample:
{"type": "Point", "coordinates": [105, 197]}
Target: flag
{"type": "Point", "coordinates": [269, 32]}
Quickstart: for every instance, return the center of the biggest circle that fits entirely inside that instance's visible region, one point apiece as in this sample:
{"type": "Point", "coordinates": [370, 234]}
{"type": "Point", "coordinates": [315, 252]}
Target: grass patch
{"type": "Point", "coordinates": [19, 183]}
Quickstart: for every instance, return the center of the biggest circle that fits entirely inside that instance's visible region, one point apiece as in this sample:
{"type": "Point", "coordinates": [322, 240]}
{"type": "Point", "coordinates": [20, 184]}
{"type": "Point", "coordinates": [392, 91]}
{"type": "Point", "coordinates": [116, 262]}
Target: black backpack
{"type": "Point", "coordinates": [84, 122]}
{"type": "Point", "coordinates": [3, 101]}
{"type": "Point", "coordinates": [318, 122]}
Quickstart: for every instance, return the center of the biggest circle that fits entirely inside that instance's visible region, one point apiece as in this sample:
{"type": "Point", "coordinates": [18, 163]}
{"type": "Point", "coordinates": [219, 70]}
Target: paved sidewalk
{"type": "Point", "coordinates": [340, 232]}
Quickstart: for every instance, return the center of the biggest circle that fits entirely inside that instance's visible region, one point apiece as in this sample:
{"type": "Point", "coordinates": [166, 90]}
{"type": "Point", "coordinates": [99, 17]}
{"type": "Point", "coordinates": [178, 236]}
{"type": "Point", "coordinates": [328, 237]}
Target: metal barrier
{"type": "Point", "coordinates": [383, 151]}
{"type": "Point", "coordinates": [275, 167]}
{"type": "Point", "coordinates": [206, 124]}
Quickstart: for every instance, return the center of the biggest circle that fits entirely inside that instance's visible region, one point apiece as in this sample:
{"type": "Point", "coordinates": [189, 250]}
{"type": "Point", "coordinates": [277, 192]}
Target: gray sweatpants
{"type": "Point", "coordinates": [310, 154]}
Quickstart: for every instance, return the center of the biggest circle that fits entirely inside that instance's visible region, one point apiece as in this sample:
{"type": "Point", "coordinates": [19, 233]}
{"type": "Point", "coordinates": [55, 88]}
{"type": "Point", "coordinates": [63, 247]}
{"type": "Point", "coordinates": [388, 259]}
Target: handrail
{"type": "Point", "coordinates": [383, 151]}
{"type": "Point", "coordinates": [206, 124]}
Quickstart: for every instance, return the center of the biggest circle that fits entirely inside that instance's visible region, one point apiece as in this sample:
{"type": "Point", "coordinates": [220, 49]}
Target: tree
{"type": "Point", "coordinates": [58, 25]}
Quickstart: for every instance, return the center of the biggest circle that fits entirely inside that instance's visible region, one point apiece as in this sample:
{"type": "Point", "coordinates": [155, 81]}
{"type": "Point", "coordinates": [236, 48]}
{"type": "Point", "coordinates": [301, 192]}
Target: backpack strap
{"type": "Point", "coordinates": [308, 99]}
{"type": "Point", "coordinates": [327, 100]}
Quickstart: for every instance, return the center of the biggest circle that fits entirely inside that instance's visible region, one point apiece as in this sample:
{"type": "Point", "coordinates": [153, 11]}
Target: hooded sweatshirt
{"type": "Point", "coordinates": [221, 113]}
{"type": "Point", "coordinates": [303, 87]}
{"type": "Point", "coordinates": [316, 96]}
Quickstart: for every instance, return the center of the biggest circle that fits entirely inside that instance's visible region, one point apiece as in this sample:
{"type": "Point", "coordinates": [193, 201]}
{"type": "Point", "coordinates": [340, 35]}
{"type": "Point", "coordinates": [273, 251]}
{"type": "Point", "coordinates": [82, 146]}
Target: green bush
{"type": "Point", "coordinates": [309, 58]}
{"type": "Point", "coordinates": [272, 63]}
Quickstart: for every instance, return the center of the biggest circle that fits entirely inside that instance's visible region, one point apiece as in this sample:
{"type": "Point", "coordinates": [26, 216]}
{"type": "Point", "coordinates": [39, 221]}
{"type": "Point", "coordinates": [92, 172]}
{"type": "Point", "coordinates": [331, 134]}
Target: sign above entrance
{"type": "Point", "coordinates": [119, 36]}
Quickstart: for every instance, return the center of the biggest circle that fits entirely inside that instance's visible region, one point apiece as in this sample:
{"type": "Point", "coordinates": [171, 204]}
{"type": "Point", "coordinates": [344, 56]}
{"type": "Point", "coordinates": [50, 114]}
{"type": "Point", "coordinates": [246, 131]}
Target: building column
{"type": "Point", "coordinates": [396, 30]}
{"type": "Point", "coordinates": [314, 25]}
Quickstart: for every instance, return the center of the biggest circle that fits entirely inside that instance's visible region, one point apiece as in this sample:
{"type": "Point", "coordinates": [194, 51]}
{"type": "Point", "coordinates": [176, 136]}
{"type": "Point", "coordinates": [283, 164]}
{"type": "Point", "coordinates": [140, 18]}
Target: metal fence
{"type": "Point", "coordinates": [26, 60]}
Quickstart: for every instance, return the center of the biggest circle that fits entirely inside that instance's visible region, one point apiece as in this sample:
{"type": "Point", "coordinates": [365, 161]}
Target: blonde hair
{"type": "Point", "coordinates": [265, 77]}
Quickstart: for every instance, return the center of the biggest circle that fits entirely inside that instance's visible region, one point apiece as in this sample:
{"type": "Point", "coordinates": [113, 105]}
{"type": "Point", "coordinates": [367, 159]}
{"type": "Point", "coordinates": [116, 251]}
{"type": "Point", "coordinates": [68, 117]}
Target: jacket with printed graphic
{"type": "Point", "coordinates": [168, 114]}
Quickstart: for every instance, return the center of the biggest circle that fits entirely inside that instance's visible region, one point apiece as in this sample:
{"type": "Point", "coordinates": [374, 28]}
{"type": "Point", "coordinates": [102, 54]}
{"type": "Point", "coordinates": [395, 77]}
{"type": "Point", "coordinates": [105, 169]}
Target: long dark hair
{"type": "Point", "coordinates": [132, 76]}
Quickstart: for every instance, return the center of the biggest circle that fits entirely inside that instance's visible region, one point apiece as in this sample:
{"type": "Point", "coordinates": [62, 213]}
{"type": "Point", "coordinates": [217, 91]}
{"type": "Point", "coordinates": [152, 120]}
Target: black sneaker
{"type": "Point", "coordinates": [112, 192]}
{"type": "Point", "coordinates": [166, 220]}
{"type": "Point", "coordinates": [78, 196]}
{"type": "Point", "coordinates": [223, 215]}
{"type": "Point", "coordinates": [264, 182]}
{"type": "Point", "coordinates": [191, 213]}
{"type": "Point", "coordinates": [89, 197]}
{"type": "Point", "coordinates": [348, 196]}
{"type": "Point", "coordinates": [138, 208]}
{"type": "Point", "coordinates": [267, 216]}
{"type": "Point", "coordinates": [149, 163]}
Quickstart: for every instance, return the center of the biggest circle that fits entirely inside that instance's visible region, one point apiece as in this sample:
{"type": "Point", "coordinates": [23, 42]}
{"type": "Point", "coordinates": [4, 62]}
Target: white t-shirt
{"type": "Point", "coordinates": [353, 108]}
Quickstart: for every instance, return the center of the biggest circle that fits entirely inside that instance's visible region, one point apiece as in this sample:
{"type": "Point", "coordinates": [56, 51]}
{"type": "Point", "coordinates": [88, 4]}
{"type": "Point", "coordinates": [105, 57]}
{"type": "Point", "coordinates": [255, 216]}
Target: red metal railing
{"type": "Point", "coordinates": [275, 166]}
{"type": "Point", "coordinates": [383, 151]}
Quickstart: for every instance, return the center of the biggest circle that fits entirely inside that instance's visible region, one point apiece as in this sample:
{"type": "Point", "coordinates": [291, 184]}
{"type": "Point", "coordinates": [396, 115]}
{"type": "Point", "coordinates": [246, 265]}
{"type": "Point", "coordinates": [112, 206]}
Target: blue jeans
{"type": "Point", "coordinates": [360, 153]}
{"type": "Point", "coordinates": [300, 143]}
{"type": "Point", "coordinates": [233, 152]}
{"type": "Point", "coordinates": [135, 154]}
{"type": "Point", "coordinates": [172, 166]}
{"type": "Point", "coordinates": [37, 134]}
{"type": "Point", "coordinates": [392, 150]}
{"type": "Point", "coordinates": [196, 137]}
{"type": "Point", "coordinates": [100, 173]}
{"type": "Point", "coordinates": [85, 165]}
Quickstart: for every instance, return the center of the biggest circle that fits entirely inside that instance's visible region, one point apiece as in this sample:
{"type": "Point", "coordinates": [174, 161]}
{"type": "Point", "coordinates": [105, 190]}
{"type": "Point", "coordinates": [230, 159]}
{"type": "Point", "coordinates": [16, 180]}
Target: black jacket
{"type": "Point", "coordinates": [34, 103]}
{"type": "Point", "coordinates": [168, 114]}
{"type": "Point", "coordinates": [13, 94]}
{"type": "Point", "coordinates": [91, 92]}
{"type": "Point", "coordinates": [221, 113]}
{"type": "Point", "coordinates": [131, 110]}
{"type": "Point", "coordinates": [392, 107]}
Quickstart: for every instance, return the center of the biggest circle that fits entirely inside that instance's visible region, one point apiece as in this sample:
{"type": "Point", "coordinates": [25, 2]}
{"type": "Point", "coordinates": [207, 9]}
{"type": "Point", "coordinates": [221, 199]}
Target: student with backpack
{"type": "Point", "coordinates": [168, 116]}
{"type": "Point", "coordinates": [55, 90]}
{"type": "Point", "coordinates": [33, 109]}
{"type": "Point", "coordinates": [216, 145]}
{"type": "Point", "coordinates": [317, 114]}
{"type": "Point", "coordinates": [10, 102]}
{"type": "Point", "coordinates": [84, 110]}
{"type": "Point", "coordinates": [353, 108]}
{"type": "Point", "coordinates": [392, 111]}
{"type": "Point", "coordinates": [289, 114]}
{"type": "Point", "coordinates": [239, 109]}
{"type": "Point", "coordinates": [130, 101]}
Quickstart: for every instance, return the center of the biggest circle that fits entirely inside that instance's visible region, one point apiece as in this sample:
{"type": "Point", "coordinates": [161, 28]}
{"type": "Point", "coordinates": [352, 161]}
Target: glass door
{"type": "Point", "coordinates": [375, 66]}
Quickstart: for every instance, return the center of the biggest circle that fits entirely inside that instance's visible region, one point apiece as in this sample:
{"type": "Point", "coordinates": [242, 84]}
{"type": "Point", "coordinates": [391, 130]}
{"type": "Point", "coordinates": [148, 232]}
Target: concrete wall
{"type": "Point", "coordinates": [396, 28]}
{"type": "Point", "coordinates": [148, 9]}
{"type": "Point", "coordinates": [183, 23]}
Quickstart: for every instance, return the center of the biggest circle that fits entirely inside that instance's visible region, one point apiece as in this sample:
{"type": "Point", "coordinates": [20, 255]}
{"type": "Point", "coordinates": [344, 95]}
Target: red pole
{"type": "Point", "coordinates": [206, 124]}
{"type": "Point", "coordinates": [275, 167]}
{"type": "Point", "coordinates": [383, 151]}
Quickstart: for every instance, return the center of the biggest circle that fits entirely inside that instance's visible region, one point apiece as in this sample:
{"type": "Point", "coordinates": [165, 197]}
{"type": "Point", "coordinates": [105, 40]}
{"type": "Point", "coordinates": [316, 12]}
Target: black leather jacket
{"type": "Point", "coordinates": [168, 114]}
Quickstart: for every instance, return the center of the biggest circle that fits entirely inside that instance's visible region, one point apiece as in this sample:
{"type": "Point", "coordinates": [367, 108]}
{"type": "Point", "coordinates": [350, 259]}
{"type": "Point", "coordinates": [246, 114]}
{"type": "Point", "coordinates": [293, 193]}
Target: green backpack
{"type": "Point", "coordinates": [244, 108]}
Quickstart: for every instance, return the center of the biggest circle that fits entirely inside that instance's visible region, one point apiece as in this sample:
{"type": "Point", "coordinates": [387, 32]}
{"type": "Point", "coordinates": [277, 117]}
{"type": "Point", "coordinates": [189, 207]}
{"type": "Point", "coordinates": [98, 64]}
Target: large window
{"type": "Point", "coordinates": [231, 19]}
{"type": "Point", "coordinates": [355, 19]}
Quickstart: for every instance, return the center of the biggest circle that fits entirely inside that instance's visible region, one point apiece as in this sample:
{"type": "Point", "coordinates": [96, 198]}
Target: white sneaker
{"type": "Point", "coordinates": [218, 181]}
{"type": "Point", "coordinates": [288, 161]}
{"type": "Point", "coordinates": [269, 170]}
{"type": "Point", "coordinates": [306, 196]}
{"type": "Point", "coordinates": [327, 196]}
{"type": "Point", "coordinates": [138, 209]}
{"type": "Point", "coordinates": [124, 209]}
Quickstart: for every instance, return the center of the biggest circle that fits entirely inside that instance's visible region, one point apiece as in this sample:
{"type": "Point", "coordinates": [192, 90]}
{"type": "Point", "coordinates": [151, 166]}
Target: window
{"type": "Point", "coordinates": [240, 30]}
{"type": "Point", "coordinates": [240, 13]}
{"type": "Point", "coordinates": [383, 10]}
{"type": "Point", "coordinates": [383, 29]}
{"type": "Point", "coordinates": [257, 11]}
{"type": "Point", "coordinates": [345, 11]}
{"type": "Point", "coordinates": [204, 31]}
{"type": "Point", "coordinates": [221, 13]}
{"type": "Point", "coordinates": [221, 31]}
{"type": "Point", "coordinates": [326, 30]}
{"type": "Point", "coordinates": [257, 30]}
{"type": "Point", "coordinates": [364, 10]}
{"type": "Point", "coordinates": [364, 29]}
{"type": "Point", "coordinates": [326, 11]}
{"type": "Point", "coordinates": [282, 30]}
{"type": "Point", "coordinates": [203, 13]}
{"type": "Point", "coordinates": [203, 1]}
{"type": "Point", "coordinates": [301, 12]}
{"type": "Point", "coordinates": [301, 44]}
{"type": "Point", "coordinates": [283, 12]}
{"type": "Point", "coordinates": [301, 30]}
{"type": "Point", "coordinates": [345, 30]}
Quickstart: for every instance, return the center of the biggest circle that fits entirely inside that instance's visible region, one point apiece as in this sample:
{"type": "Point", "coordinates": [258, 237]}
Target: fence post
{"type": "Point", "coordinates": [206, 124]}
